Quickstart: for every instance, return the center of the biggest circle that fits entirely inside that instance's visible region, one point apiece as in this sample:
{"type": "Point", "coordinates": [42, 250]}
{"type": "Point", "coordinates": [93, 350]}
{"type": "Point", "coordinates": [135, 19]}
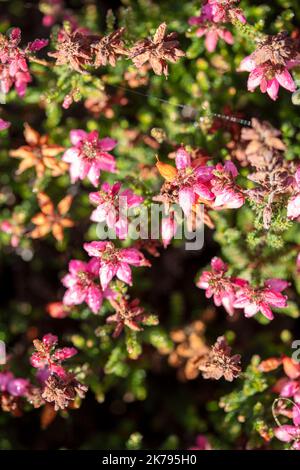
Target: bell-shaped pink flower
{"type": "Point", "coordinates": [228, 195]}
{"type": "Point", "coordinates": [89, 155]}
{"type": "Point", "coordinates": [193, 181]}
{"type": "Point", "coordinates": [261, 299]}
{"type": "Point", "coordinates": [218, 285]}
{"type": "Point", "coordinates": [113, 206]}
{"type": "Point", "coordinates": [115, 261]}
{"type": "Point", "coordinates": [267, 77]}
{"type": "Point", "coordinates": [81, 285]}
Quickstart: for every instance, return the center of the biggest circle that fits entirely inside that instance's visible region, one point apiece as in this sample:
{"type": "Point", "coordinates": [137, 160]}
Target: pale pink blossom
{"type": "Point", "coordinates": [261, 299]}
{"type": "Point", "coordinates": [115, 261]}
{"type": "Point", "coordinates": [193, 181]}
{"type": "Point", "coordinates": [168, 229]}
{"type": "Point", "coordinates": [89, 155]}
{"type": "Point", "coordinates": [219, 286]}
{"type": "Point", "coordinates": [293, 207]}
{"type": "Point", "coordinates": [212, 33]}
{"type": "Point", "coordinates": [290, 433]}
{"type": "Point", "coordinates": [223, 11]}
{"type": "Point", "coordinates": [113, 206]}
{"type": "Point", "coordinates": [267, 76]}
{"type": "Point", "coordinates": [228, 194]}
{"type": "Point", "coordinates": [81, 285]}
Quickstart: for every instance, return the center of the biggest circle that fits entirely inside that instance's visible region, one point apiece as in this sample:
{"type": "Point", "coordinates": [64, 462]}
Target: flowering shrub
{"type": "Point", "coordinates": [125, 133]}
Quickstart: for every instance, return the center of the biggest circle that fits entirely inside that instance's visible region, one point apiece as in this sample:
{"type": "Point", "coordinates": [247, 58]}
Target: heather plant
{"type": "Point", "coordinates": [118, 336]}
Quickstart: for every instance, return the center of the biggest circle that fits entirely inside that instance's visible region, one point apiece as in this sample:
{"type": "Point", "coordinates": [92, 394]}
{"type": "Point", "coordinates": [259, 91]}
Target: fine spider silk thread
{"type": "Point", "coordinates": [224, 117]}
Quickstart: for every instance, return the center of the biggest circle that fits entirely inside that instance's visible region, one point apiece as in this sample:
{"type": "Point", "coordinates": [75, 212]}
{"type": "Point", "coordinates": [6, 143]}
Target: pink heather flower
{"type": "Point", "coordinates": [113, 206]}
{"type": "Point", "coordinates": [262, 299]}
{"type": "Point", "coordinates": [81, 286]}
{"type": "Point", "coordinates": [267, 76]}
{"type": "Point", "coordinates": [293, 208]}
{"type": "Point", "coordinates": [13, 61]}
{"type": "Point", "coordinates": [14, 228]}
{"type": "Point", "coordinates": [289, 387]}
{"type": "Point", "coordinates": [193, 182]}
{"type": "Point", "coordinates": [115, 261]}
{"type": "Point", "coordinates": [218, 285]}
{"type": "Point", "coordinates": [5, 378]}
{"type": "Point", "coordinates": [223, 11]}
{"type": "Point", "coordinates": [16, 387]}
{"type": "Point", "coordinates": [212, 34]}
{"type": "Point", "coordinates": [290, 433]}
{"type": "Point", "coordinates": [47, 356]}
{"type": "Point", "coordinates": [89, 155]}
{"type": "Point", "coordinates": [168, 229]}
{"type": "Point", "coordinates": [201, 443]}
{"type": "Point", "coordinates": [228, 194]}
{"type": "Point", "coordinates": [4, 124]}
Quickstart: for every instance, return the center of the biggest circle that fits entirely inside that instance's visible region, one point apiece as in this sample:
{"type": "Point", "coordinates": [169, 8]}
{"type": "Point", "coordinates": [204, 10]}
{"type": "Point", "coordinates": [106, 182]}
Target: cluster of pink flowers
{"type": "Point", "coordinates": [232, 292]}
{"type": "Point", "coordinates": [293, 208]}
{"type": "Point", "coordinates": [214, 13]}
{"type": "Point", "coordinates": [113, 206]}
{"type": "Point", "coordinates": [48, 359]}
{"type": "Point", "coordinates": [107, 262]}
{"type": "Point", "coordinates": [214, 186]}
{"type": "Point", "coordinates": [13, 61]}
{"type": "Point", "coordinates": [16, 387]}
{"type": "Point", "coordinates": [89, 155]}
{"type": "Point", "coordinates": [115, 261]}
{"type": "Point", "coordinates": [288, 390]}
{"type": "Point", "coordinates": [193, 181]}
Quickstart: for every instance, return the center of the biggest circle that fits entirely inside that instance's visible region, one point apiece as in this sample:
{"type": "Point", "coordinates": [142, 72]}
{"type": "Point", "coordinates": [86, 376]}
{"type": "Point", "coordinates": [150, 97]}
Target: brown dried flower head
{"type": "Point", "coordinates": [274, 174]}
{"type": "Point", "coordinates": [219, 362]}
{"type": "Point", "coordinates": [261, 138]}
{"type": "Point", "coordinates": [109, 48]}
{"type": "Point", "coordinates": [277, 49]}
{"type": "Point", "coordinates": [129, 313]}
{"type": "Point", "coordinates": [73, 49]}
{"type": "Point", "coordinates": [62, 391]}
{"type": "Point", "coordinates": [189, 348]}
{"type": "Point", "coordinates": [158, 51]}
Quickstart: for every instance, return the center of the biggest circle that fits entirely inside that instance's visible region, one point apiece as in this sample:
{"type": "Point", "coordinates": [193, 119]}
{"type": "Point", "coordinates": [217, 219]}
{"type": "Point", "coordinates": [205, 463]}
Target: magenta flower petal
{"type": "Point", "coordinates": [286, 81]}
